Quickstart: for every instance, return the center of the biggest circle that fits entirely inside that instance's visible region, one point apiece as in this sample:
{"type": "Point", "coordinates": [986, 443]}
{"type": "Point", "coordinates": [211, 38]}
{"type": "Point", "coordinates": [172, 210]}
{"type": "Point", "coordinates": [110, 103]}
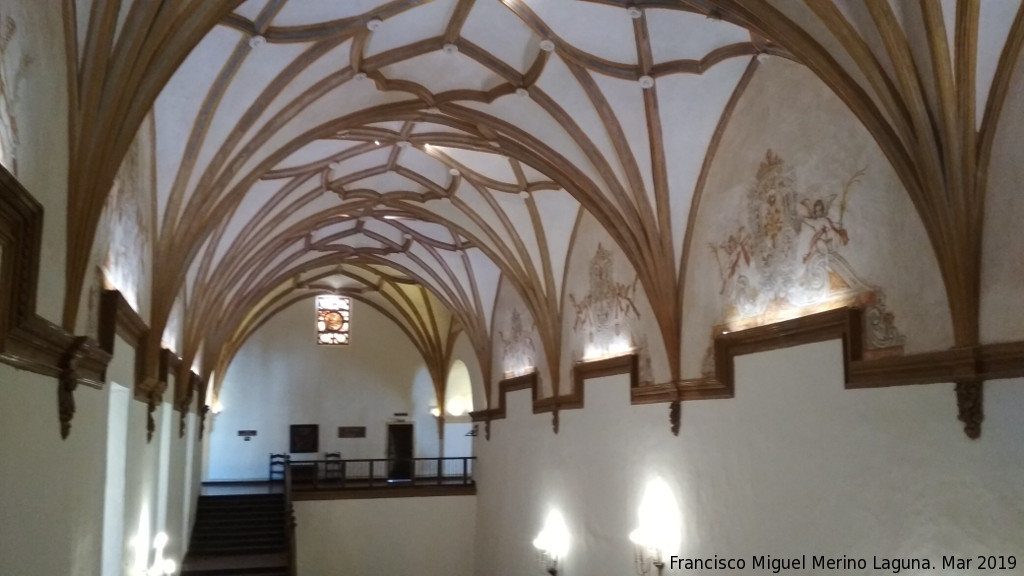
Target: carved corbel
{"type": "Point", "coordinates": [969, 403]}
{"type": "Point", "coordinates": [152, 399]}
{"type": "Point", "coordinates": [487, 428]}
{"type": "Point", "coordinates": [202, 420]}
{"type": "Point", "coordinates": [185, 402]}
{"type": "Point", "coordinates": [67, 383]}
{"type": "Point", "coordinates": [675, 410]}
{"type": "Point", "coordinates": [154, 391]}
{"type": "Point", "coordinates": [554, 416]}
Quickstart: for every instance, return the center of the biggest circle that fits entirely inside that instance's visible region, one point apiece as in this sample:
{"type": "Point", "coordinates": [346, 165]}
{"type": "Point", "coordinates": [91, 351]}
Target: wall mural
{"type": "Point", "coordinates": [516, 347]}
{"type": "Point", "coordinates": [607, 316]}
{"type": "Point", "coordinates": [785, 257]}
{"type": "Point", "coordinates": [125, 261]}
{"type": "Point", "coordinates": [13, 69]}
{"type": "Point", "coordinates": [519, 351]}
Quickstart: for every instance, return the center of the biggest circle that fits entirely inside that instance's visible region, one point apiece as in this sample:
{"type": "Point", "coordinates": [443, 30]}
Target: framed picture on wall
{"type": "Point", "coordinates": [351, 431]}
{"type": "Point", "coordinates": [304, 438]}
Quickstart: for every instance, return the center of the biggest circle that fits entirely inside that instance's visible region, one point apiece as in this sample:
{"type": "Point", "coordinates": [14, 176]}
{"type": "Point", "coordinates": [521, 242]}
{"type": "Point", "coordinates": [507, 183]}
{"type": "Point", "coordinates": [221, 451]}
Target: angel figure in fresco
{"type": "Point", "coordinates": [729, 255]}
{"type": "Point", "coordinates": [818, 217]}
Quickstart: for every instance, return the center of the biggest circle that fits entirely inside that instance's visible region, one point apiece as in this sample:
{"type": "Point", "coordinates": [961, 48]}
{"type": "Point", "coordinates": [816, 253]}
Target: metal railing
{"type": "Point", "coordinates": [337, 474]}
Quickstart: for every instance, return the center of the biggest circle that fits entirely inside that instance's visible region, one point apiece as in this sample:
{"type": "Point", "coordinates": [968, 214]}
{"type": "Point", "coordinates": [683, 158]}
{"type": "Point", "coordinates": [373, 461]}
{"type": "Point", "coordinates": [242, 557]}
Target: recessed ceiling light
{"type": "Point", "coordinates": [403, 143]}
{"type": "Point", "coordinates": [547, 45]}
{"type": "Point", "coordinates": [257, 41]}
{"type": "Point", "coordinates": [522, 92]}
{"type": "Point", "coordinates": [376, 142]}
{"type": "Point", "coordinates": [433, 110]}
{"type": "Point", "coordinates": [634, 12]}
{"type": "Point", "coordinates": [646, 82]}
{"type": "Point", "coordinates": [524, 194]}
{"type": "Point", "coordinates": [450, 48]}
{"type": "Point", "coordinates": [374, 24]}
{"type": "Point", "coordinates": [454, 171]}
{"type": "Point", "coordinates": [359, 76]}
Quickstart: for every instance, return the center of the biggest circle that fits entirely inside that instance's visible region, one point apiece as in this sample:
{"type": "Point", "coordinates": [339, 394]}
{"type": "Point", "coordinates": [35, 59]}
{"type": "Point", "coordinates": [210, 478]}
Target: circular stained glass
{"type": "Point", "coordinates": [334, 321]}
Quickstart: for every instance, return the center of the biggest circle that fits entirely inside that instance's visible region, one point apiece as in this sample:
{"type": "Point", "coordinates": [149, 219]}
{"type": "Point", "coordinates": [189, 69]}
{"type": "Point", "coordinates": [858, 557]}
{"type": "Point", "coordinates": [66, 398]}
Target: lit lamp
{"type": "Point", "coordinates": [435, 411]}
{"type": "Point", "coordinates": [552, 543]}
{"type": "Point", "coordinates": [659, 530]}
{"type": "Point", "coordinates": [161, 566]}
{"type": "Point", "coordinates": [648, 553]}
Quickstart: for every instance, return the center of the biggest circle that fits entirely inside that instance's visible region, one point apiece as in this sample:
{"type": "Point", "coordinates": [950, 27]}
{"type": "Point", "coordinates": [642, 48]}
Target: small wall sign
{"type": "Point", "coordinates": [351, 431]}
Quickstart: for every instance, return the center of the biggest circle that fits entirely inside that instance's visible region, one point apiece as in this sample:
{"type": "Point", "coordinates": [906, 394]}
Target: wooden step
{"type": "Point", "coordinates": [239, 535]}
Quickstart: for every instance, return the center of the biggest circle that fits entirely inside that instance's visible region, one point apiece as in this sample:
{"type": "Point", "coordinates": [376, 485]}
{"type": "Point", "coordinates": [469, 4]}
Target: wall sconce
{"type": "Point", "coordinates": [659, 530]}
{"type": "Point", "coordinates": [648, 553]}
{"type": "Point", "coordinates": [435, 411]}
{"type": "Point", "coordinates": [552, 543]}
{"type": "Point", "coordinates": [161, 566]}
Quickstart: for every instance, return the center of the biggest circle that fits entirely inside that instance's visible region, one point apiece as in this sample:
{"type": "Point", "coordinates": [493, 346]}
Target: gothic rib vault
{"type": "Point", "coordinates": [414, 155]}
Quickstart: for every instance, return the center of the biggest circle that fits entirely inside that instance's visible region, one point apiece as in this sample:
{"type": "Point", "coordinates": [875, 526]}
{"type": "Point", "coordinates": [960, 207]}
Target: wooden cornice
{"type": "Point", "coordinates": [497, 412]}
{"type": "Point", "coordinates": [117, 317]}
{"type": "Point", "coordinates": [960, 364]}
{"type": "Point", "coordinates": [571, 400]}
{"type": "Point", "coordinates": [972, 364]}
{"type": "Point", "coordinates": [27, 340]}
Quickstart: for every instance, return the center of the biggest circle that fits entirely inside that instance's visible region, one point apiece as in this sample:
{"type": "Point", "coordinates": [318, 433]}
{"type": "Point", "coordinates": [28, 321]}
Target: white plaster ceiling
{"type": "Point", "coordinates": [455, 142]}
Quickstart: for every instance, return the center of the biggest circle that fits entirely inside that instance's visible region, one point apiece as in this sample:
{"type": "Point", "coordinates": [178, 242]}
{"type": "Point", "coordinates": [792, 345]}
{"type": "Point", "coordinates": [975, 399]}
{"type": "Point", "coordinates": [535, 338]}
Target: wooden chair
{"type": "Point", "coordinates": [278, 462]}
{"type": "Point", "coordinates": [333, 466]}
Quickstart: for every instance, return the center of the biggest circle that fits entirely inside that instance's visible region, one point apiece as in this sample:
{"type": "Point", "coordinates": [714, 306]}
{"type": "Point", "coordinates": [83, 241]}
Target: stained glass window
{"type": "Point", "coordinates": [332, 319]}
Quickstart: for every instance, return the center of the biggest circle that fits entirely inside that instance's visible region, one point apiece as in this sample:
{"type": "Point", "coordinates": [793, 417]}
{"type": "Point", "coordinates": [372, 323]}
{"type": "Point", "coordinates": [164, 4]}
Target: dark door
{"type": "Point", "coordinates": [400, 452]}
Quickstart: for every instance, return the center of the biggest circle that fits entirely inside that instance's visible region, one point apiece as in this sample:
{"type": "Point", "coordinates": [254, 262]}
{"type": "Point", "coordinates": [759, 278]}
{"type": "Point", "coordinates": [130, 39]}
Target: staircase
{"type": "Point", "coordinates": [239, 536]}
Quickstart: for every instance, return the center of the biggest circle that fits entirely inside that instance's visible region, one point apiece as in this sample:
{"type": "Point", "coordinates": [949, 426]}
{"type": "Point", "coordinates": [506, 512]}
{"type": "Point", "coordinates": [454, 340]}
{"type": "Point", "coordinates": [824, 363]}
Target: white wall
{"type": "Point", "coordinates": [422, 536]}
{"type": "Point", "coordinates": [282, 377]}
{"type": "Point", "coordinates": [51, 490]}
{"type": "Point", "coordinates": [794, 464]}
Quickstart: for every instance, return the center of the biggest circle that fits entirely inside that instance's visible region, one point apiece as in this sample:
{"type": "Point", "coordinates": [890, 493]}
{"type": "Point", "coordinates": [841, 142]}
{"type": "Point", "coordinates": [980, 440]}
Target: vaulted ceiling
{"type": "Point", "coordinates": [413, 154]}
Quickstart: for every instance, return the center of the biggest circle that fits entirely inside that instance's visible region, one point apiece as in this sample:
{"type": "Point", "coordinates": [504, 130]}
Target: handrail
{"type": "Point", "coordinates": [289, 521]}
{"type": "Point", "coordinates": [335, 474]}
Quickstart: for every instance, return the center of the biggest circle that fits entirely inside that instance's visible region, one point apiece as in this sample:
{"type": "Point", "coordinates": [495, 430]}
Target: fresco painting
{"type": "Point", "coordinates": [519, 351]}
{"type": "Point", "coordinates": [784, 257]}
{"type": "Point", "coordinates": [607, 316]}
{"type": "Point", "coordinates": [124, 264]}
{"type": "Point", "coordinates": [14, 67]}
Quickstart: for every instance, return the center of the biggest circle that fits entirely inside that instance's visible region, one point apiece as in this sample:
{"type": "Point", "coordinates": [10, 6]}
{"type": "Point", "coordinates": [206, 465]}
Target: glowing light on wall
{"type": "Point", "coordinates": [522, 371]}
{"type": "Point", "coordinates": [553, 542]}
{"type": "Point", "coordinates": [619, 346]}
{"type": "Point", "coordinates": [660, 527]}
{"type": "Point", "coordinates": [160, 566]}
{"type": "Point", "coordinates": [458, 400]}
{"type": "Point", "coordinates": [457, 406]}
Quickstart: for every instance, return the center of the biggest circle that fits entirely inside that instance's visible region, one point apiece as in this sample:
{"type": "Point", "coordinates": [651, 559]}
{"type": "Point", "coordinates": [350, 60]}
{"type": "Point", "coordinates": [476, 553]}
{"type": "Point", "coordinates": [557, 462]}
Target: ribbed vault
{"type": "Point", "coordinates": [415, 154]}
